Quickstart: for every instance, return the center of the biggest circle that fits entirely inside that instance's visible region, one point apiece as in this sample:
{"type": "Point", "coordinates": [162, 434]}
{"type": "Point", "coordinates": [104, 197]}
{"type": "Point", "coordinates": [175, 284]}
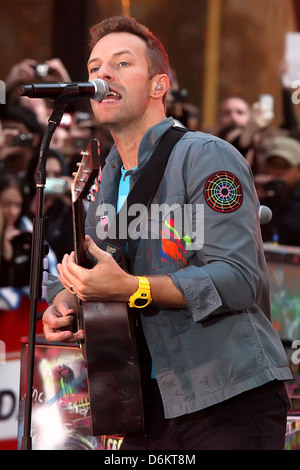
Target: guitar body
{"type": "Point", "coordinates": [113, 369]}
{"type": "Point", "coordinates": [110, 344]}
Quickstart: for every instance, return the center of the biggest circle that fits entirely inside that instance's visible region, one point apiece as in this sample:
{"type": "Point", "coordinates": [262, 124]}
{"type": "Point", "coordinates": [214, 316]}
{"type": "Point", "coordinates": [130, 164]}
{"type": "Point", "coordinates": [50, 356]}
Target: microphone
{"type": "Point", "coordinates": [96, 89]}
{"type": "Point", "coordinates": [264, 214]}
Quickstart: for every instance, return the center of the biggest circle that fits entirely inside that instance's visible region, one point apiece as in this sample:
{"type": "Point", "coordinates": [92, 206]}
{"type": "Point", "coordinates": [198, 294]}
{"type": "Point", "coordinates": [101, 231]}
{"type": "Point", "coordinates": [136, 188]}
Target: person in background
{"type": "Point", "coordinates": [242, 125]}
{"type": "Point", "coordinates": [279, 189]}
{"type": "Point", "coordinates": [177, 105]}
{"type": "Point", "coordinates": [57, 201]}
{"type": "Point", "coordinates": [16, 241]}
{"type": "Point", "coordinates": [29, 71]}
{"type": "Point", "coordinates": [21, 138]}
{"type": "Point", "coordinates": [234, 115]}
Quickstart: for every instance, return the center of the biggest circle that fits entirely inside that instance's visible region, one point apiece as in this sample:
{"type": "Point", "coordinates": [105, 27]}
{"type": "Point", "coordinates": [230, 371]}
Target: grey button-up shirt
{"type": "Point", "coordinates": [223, 342]}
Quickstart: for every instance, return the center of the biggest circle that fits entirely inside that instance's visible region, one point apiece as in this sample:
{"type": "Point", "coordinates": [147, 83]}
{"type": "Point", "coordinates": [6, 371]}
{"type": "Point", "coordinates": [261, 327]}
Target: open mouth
{"type": "Point", "coordinates": [112, 96]}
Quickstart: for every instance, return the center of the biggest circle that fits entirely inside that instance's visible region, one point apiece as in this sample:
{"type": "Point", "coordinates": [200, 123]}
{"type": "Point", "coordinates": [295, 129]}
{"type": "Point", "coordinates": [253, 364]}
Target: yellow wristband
{"type": "Point", "coordinates": [142, 297]}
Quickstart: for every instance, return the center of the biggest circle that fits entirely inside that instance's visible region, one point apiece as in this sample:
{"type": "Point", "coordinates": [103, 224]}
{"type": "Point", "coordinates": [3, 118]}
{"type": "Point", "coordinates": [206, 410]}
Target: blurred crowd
{"type": "Point", "coordinates": [272, 151]}
{"type": "Point", "coordinates": [273, 154]}
{"type": "Point", "coordinates": [22, 126]}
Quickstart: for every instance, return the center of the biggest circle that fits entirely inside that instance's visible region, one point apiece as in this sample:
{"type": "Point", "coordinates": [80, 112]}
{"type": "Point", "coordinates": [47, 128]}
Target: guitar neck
{"type": "Point", "coordinates": [84, 181]}
{"type": "Point", "coordinates": [81, 255]}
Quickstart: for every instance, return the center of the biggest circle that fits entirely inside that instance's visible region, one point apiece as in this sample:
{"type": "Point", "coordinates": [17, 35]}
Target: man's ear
{"type": "Point", "coordinates": [160, 85]}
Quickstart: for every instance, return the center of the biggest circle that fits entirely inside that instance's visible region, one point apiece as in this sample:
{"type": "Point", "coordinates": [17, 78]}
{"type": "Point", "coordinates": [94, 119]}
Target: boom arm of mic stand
{"type": "Point", "coordinates": [37, 264]}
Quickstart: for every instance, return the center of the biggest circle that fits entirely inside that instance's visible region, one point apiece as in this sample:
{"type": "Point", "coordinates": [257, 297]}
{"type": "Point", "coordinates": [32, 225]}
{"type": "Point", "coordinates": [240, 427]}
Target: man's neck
{"type": "Point", "coordinates": [128, 141]}
{"type": "Point", "coordinates": [128, 146]}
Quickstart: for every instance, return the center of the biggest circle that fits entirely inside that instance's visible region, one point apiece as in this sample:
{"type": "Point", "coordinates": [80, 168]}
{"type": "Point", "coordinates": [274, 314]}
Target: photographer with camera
{"type": "Point", "coordinates": [242, 125]}
{"type": "Point", "coordinates": [177, 105]}
{"type": "Point", "coordinates": [57, 201]}
{"type": "Point", "coordinates": [16, 240]}
{"type": "Point", "coordinates": [30, 70]}
{"type": "Point", "coordinates": [279, 189]}
{"type": "Point", "coordinates": [15, 246]}
{"type": "Point", "coordinates": [21, 136]}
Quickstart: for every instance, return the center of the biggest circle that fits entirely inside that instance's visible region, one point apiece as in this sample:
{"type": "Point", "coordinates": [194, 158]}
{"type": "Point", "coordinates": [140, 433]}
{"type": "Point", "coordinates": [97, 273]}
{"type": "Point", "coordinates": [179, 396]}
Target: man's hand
{"type": "Point", "coordinates": [10, 232]}
{"type": "Point", "coordinates": [105, 282]}
{"type": "Point", "coordinates": [261, 117]}
{"type": "Point", "coordinates": [57, 71]}
{"type": "Point", "coordinates": [57, 321]}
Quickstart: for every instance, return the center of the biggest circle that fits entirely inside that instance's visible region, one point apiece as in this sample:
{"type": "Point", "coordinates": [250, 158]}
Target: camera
{"type": "Point", "coordinates": [278, 186]}
{"type": "Point", "coordinates": [180, 96]}
{"type": "Point", "coordinates": [41, 70]}
{"type": "Point", "coordinates": [23, 240]}
{"type": "Point", "coordinates": [20, 140]}
{"type": "Point", "coordinates": [55, 186]}
{"type": "Point", "coordinates": [80, 143]}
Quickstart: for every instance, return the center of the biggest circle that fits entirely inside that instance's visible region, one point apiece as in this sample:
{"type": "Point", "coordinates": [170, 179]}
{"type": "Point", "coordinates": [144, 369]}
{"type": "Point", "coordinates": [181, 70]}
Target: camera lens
{"type": "Point", "coordinates": [42, 70]}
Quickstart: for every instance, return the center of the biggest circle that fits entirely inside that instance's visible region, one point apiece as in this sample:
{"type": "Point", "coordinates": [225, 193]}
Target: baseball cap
{"type": "Point", "coordinates": [286, 148]}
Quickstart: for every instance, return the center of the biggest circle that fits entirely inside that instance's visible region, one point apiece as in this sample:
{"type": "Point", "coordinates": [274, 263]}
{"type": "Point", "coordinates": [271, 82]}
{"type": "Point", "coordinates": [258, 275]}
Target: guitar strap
{"type": "Point", "coordinates": [143, 190]}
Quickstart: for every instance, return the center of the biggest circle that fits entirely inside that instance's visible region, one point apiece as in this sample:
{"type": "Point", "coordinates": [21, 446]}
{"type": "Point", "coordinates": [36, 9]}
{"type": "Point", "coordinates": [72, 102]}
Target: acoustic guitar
{"type": "Point", "coordinates": [110, 344]}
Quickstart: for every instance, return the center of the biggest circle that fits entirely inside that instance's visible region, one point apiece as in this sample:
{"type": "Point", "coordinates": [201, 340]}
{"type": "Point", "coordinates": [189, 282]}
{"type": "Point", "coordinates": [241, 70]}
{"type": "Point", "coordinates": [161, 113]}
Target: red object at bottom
{"type": "Point", "coordinates": [9, 444]}
{"type": "Point", "coordinates": [15, 324]}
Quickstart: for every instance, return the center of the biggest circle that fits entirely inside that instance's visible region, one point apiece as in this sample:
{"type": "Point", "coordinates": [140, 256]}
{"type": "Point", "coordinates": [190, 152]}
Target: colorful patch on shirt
{"type": "Point", "coordinates": [171, 248]}
{"type": "Point", "coordinates": [223, 192]}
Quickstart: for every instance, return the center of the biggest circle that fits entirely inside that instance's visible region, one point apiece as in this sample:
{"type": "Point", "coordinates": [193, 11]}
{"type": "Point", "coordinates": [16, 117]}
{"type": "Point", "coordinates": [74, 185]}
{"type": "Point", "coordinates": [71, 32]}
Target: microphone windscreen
{"type": "Point", "coordinates": [101, 89]}
{"type": "Point", "coordinates": [265, 215]}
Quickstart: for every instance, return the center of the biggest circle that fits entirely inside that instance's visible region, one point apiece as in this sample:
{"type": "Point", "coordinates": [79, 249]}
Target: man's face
{"type": "Point", "coordinates": [121, 60]}
{"type": "Point", "coordinates": [234, 112]}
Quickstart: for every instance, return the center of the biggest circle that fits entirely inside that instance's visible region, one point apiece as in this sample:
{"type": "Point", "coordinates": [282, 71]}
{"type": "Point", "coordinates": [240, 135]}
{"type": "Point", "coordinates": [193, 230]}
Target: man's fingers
{"type": "Point", "coordinates": [70, 273]}
{"type": "Point", "coordinates": [94, 249]}
{"type": "Point", "coordinates": [65, 276]}
{"type": "Point", "coordinates": [59, 336]}
{"type": "Point", "coordinates": [59, 331]}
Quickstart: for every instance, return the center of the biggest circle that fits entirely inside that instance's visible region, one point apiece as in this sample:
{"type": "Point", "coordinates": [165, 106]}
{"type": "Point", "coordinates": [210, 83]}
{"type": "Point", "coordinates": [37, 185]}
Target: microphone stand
{"type": "Point", "coordinates": [36, 268]}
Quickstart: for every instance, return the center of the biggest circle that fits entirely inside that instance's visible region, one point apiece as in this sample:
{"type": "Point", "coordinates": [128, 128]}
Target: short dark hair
{"type": "Point", "coordinates": [26, 116]}
{"type": "Point", "coordinates": [9, 179]}
{"type": "Point", "coordinates": [157, 57]}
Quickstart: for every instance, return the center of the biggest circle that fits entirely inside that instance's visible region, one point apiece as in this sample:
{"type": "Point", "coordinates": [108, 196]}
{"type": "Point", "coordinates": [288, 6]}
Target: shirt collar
{"type": "Point", "coordinates": [147, 145]}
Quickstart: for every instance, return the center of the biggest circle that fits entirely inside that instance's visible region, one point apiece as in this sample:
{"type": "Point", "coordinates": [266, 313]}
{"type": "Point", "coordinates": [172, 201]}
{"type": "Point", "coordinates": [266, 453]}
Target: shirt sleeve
{"type": "Point", "coordinates": [226, 277]}
{"type": "Point", "coordinates": [53, 287]}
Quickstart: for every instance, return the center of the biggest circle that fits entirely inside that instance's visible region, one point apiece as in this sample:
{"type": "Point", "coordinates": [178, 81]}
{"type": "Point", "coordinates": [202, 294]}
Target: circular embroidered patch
{"type": "Point", "coordinates": [223, 192]}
